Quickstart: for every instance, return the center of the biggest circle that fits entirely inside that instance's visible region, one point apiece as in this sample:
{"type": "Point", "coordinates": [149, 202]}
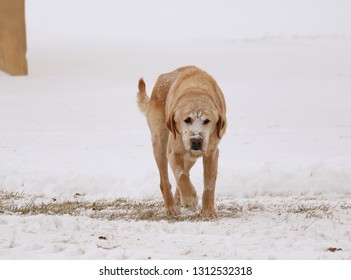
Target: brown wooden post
{"type": "Point", "coordinates": [13, 46]}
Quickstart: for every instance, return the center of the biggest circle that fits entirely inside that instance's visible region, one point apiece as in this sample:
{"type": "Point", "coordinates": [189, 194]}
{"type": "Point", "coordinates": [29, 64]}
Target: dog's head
{"type": "Point", "coordinates": [197, 121]}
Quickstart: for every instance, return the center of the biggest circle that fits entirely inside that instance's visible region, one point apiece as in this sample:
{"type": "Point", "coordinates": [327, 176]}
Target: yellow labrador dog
{"type": "Point", "coordinates": [186, 114]}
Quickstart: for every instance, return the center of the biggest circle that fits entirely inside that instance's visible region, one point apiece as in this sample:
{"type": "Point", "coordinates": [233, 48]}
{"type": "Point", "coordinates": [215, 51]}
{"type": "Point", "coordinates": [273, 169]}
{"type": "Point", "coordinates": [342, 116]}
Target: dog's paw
{"type": "Point", "coordinates": [208, 214]}
{"type": "Point", "coordinates": [173, 211]}
{"type": "Point", "coordinates": [190, 202]}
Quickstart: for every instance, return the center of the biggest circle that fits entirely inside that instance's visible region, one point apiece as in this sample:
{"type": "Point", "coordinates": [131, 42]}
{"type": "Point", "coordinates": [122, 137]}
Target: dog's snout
{"type": "Point", "coordinates": [196, 144]}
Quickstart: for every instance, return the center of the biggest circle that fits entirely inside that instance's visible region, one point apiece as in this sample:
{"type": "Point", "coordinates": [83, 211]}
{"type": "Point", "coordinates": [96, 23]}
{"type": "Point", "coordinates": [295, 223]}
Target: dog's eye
{"type": "Point", "coordinates": [206, 121]}
{"type": "Point", "coordinates": [188, 120]}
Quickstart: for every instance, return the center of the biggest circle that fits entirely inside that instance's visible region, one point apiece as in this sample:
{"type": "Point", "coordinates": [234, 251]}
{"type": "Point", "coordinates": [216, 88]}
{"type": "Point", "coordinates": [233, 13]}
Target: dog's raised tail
{"type": "Point", "coordinates": [143, 99]}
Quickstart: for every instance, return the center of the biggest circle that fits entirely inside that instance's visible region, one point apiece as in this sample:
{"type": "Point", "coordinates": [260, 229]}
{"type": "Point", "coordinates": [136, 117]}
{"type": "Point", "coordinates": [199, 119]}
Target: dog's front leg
{"type": "Point", "coordinates": [210, 163]}
{"type": "Point", "coordinates": [162, 164]}
{"type": "Point", "coordinates": [186, 190]}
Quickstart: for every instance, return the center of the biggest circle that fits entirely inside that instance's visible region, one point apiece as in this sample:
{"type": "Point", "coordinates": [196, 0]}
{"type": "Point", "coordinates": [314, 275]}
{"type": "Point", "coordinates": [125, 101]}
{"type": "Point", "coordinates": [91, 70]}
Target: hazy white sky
{"type": "Point", "coordinates": [184, 19]}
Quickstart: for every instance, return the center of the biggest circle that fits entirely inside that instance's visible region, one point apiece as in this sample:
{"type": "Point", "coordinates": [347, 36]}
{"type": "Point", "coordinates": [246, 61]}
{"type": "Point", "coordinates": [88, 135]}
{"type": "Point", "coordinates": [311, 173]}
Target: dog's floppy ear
{"type": "Point", "coordinates": [171, 125]}
{"type": "Point", "coordinates": [221, 126]}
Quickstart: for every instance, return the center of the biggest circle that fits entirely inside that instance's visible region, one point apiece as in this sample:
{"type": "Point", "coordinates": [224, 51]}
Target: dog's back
{"type": "Point", "coordinates": [161, 88]}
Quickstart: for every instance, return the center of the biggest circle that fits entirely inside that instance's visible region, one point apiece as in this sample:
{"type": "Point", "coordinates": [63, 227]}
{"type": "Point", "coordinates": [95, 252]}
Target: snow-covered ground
{"type": "Point", "coordinates": [72, 127]}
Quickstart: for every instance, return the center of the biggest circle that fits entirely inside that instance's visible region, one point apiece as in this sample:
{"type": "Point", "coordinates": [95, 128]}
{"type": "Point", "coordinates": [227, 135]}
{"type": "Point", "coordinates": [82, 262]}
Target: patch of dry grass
{"type": "Point", "coordinates": [313, 210]}
{"type": "Point", "coordinates": [120, 208]}
{"type": "Point", "coordinates": [13, 203]}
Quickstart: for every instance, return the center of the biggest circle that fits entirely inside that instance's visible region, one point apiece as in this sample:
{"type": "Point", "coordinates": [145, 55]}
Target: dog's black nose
{"type": "Point", "coordinates": [196, 144]}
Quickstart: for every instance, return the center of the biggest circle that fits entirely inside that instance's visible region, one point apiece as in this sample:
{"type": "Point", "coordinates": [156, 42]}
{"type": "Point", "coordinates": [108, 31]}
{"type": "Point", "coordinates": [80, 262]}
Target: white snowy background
{"type": "Point", "coordinates": [73, 126]}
